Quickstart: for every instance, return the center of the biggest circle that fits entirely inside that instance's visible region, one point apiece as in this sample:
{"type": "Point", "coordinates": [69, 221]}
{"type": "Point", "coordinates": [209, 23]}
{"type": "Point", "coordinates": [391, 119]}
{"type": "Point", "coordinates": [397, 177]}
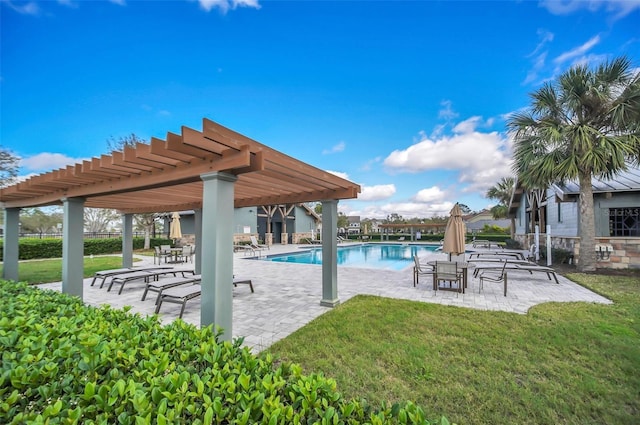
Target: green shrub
{"type": "Point", "coordinates": [30, 249]}
{"type": "Point", "coordinates": [64, 362]}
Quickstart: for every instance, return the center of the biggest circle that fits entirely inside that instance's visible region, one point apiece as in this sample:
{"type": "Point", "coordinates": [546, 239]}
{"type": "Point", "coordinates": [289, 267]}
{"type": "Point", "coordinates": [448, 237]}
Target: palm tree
{"type": "Point", "coordinates": [583, 125]}
{"type": "Point", "coordinates": [501, 192]}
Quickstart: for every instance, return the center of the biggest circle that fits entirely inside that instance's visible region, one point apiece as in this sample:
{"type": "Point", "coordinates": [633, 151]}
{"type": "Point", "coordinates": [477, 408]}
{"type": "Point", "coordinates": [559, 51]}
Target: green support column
{"type": "Point", "coordinates": [127, 240]}
{"type": "Point", "coordinates": [198, 240]}
{"type": "Point", "coordinates": [11, 244]}
{"type": "Point", "coordinates": [330, 253]}
{"type": "Point", "coordinates": [217, 253]}
{"type": "Point", "coordinates": [73, 246]}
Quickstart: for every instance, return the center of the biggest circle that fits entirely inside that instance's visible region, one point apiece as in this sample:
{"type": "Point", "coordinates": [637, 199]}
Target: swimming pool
{"type": "Point", "coordinates": [370, 256]}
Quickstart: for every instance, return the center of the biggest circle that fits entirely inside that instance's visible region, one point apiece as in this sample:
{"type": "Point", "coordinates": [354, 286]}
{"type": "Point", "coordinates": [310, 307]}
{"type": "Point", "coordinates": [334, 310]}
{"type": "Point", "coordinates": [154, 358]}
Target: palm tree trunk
{"type": "Point", "coordinates": [513, 228]}
{"type": "Point", "coordinates": [587, 230]}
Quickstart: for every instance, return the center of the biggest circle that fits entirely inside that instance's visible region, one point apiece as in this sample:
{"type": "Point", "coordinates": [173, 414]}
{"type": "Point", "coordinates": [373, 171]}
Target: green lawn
{"type": "Point", "coordinates": [44, 271]}
{"type": "Point", "coordinates": [563, 363]}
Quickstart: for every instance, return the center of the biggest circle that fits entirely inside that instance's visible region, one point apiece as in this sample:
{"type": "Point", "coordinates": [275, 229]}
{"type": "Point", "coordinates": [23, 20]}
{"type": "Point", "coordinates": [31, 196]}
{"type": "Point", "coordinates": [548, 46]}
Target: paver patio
{"type": "Point", "coordinates": [287, 295]}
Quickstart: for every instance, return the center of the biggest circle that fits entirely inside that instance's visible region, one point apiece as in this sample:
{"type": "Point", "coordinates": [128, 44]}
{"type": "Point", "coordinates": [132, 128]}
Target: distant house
{"type": "Point", "coordinates": [354, 224]}
{"type": "Point", "coordinates": [617, 217]}
{"type": "Point", "coordinates": [476, 222]}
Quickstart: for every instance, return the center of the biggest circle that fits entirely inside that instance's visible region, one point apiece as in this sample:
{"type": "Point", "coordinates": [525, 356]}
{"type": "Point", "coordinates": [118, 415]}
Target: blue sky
{"type": "Point", "coordinates": [407, 99]}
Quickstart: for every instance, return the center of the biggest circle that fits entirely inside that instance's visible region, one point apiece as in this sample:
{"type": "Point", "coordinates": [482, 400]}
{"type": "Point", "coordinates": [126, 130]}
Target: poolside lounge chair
{"type": "Point", "coordinates": [184, 293]}
{"type": "Point", "coordinates": [105, 274]}
{"type": "Point", "coordinates": [418, 270]}
{"type": "Point", "coordinates": [145, 275]}
{"type": "Point", "coordinates": [166, 283]}
{"type": "Point", "coordinates": [493, 276]}
{"type": "Point", "coordinates": [256, 246]}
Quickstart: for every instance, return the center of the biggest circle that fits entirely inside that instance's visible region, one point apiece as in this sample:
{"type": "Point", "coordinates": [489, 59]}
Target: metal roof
{"type": "Point", "coordinates": [625, 181]}
{"type": "Point", "coordinates": [165, 175]}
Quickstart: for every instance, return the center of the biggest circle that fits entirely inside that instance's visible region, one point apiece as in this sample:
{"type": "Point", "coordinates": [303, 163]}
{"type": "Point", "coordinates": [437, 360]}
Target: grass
{"type": "Point", "coordinates": [44, 271]}
{"type": "Point", "coordinates": [563, 363]}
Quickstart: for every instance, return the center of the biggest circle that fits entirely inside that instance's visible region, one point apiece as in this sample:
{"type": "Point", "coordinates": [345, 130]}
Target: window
{"type": "Point", "coordinates": [624, 221]}
{"type": "Point", "coordinates": [559, 212]}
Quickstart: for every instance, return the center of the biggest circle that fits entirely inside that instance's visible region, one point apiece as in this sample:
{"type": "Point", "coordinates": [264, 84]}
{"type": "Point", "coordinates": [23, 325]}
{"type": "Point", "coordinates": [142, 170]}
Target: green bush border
{"type": "Point", "coordinates": [31, 249]}
{"type": "Point", "coordinates": [64, 362]}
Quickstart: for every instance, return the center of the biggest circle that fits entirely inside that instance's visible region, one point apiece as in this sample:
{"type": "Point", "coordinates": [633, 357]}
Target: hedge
{"type": "Point", "coordinates": [64, 362]}
{"type": "Point", "coordinates": [30, 249]}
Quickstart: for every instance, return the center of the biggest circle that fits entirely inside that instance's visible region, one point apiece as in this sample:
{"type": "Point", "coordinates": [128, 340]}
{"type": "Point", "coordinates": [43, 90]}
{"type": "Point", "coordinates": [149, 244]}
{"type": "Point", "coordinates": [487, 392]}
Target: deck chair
{"type": "Point", "coordinates": [184, 293]}
{"type": "Point", "coordinates": [166, 283]}
{"type": "Point", "coordinates": [255, 245]}
{"type": "Point", "coordinates": [494, 276]}
{"type": "Point", "coordinates": [418, 270]}
{"type": "Point", "coordinates": [447, 271]}
{"type": "Point", "coordinates": [187, 254]}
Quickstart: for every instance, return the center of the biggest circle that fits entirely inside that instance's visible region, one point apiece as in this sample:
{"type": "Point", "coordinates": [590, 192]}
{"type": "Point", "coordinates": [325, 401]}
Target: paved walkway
{"type": "Point", "coordinates": [287, 296]}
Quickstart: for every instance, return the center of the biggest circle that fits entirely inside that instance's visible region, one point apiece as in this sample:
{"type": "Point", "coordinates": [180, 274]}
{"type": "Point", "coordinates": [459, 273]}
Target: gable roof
{"type": "Point", "coordinates": [165, 175]}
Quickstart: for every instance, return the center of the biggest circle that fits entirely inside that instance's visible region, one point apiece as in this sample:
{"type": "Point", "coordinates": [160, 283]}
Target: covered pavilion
{"type": "Point", "coordinates": [212, 172]}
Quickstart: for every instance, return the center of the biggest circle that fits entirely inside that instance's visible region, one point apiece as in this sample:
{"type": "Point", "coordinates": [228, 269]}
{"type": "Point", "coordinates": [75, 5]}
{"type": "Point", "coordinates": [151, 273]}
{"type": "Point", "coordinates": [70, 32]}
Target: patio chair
{"type": "Point", "coordinates": [187, 254]}
{"type": "Point", "coordinates": [159, 254]}
{"type": "Point", "coordinates": [418, 270]}
{"type": "Point", "coordinates": [447, 271]}
{"type": "Point", "coordinates": [494, 276]}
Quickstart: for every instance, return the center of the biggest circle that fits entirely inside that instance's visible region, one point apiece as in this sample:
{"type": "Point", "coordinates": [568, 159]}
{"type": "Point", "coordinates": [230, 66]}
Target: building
{"type": "Point", "coordinates": [281, 224]}
{"type": "Point", "coordinates": [617, 218]}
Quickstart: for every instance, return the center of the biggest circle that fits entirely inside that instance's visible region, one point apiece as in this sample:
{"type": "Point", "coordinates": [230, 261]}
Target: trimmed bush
{"type": "Point", "coordinates": [30, 249]}
{"type": "Point", "coordinates": [64, 362]}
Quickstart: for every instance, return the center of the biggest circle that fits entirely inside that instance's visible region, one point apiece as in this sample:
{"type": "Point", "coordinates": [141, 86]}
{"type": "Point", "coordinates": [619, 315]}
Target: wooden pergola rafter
{"type": "Point", "coordinates": [164, 175]}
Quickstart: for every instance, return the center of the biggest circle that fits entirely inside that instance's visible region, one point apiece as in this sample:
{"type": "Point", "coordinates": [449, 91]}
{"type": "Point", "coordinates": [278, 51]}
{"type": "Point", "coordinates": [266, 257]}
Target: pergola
{"type": "Point", "coordinates": [212, 172]}
{"type": "Point", "coordinates": [413, 227]}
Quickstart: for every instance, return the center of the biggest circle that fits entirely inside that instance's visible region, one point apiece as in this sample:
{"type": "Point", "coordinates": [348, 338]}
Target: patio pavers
{"type": "Point", "coordinates": [287, 295]}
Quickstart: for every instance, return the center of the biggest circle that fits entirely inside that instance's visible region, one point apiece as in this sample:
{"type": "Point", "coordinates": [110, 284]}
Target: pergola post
{"type": "Point", "coordinates": [11, 243]}
{"type": "Point", "coordinates": [73, 246]}
{"type": "Point", "coordinates": [217, 254]}
{"type": "Point", "coordinates": [329, 253]}
{"type": "Point", "coordinates": [198, 239]}
{"type": "Point", "coordinates": [127, 240]}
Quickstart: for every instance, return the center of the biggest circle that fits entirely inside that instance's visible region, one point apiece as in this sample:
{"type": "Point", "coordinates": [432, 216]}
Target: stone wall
{"type": "Point", "coordinates": [625, 254]}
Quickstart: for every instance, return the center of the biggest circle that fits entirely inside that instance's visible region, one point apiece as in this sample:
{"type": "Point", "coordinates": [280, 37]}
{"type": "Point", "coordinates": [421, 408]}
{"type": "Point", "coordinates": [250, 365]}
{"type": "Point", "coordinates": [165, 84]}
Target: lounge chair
{"type": "Point", "coordinates": [255, 245]}
{"type": "Point", "coordinates": [182, 294]}
{"type": "Point", "coordinates": [166, 283]}
{"type": "Point", "coordinates": [146, 275]}
{"type": "Point", "coordinates": [105, 274]}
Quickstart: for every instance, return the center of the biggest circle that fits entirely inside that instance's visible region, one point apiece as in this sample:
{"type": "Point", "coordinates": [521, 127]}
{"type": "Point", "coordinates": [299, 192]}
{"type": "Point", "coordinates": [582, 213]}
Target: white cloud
{"type": "Point", "coordinates": [538, 66]}
{"type": "Point", "coordinates": [578, 51]}
{"type": "Point", "coordinates": [28, 8]}
{"type": "Point", "coordinates": [405, 209]}
{"type": "Point", "coordinates": [617, 8]}
{"type": "Point", "coordinates": [447, 113]}
{"type": "Point", "coordinates": [367, 165]}
{"type": "Point", "coordinates": [468, 126]}
{"type": "Point", "coordinates": [377, 192]}
{"type": "Point", "coordinates": [432, 194]}
{"type": "Point", "coordinates": [480, 159]}
{"type": "Point", "coordinates": [119, 2]}
{"type": "Point", "coordinates": [47, 161]}
{"type": "Point", "coordinates": [337, 148]}
{"type": "Point", "coordinates": [339, 174]}
{"type": "Point", "coordinates": [225, 5]}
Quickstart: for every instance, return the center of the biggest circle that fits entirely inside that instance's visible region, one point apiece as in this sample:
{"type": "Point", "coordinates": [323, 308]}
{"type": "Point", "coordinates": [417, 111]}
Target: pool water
{"type": "Point", "coordinates": [371, 256]}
